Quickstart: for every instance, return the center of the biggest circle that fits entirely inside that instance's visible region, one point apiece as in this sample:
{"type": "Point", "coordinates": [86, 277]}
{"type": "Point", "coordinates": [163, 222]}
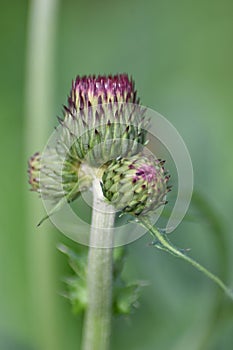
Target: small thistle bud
{"type": "Point", "coordinates": [103, 119]}
{"type": "Point", "coordinates": [46, 178]}
{"type": "Point", "coordinates": [135, 185]}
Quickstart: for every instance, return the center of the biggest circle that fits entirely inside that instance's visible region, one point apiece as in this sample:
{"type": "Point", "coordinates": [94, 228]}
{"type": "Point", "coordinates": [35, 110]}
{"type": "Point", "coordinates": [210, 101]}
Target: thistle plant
{"type": "Point", "coordinates": [101, 146]}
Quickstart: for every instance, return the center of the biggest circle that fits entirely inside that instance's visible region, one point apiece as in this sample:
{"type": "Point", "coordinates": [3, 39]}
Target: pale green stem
{"type": "Point", "coordinates": [97, 323]}
{"type": "Point", "coordinates": [39, 112]}
{"type": "Point", "coordinates": [173, 250]}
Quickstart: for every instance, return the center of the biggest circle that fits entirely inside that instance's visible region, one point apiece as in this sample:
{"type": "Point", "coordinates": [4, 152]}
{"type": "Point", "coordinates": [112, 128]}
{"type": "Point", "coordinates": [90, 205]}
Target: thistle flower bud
{"type": "Point", "coordinates": [136, 185]}
{"type": "Point", "coordinates": [103, 119]}
{"type": "Point", "coordinates": [55, 179]}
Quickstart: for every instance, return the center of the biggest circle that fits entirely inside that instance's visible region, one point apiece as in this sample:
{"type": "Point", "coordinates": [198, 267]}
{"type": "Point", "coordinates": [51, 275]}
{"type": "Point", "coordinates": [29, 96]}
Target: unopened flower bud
{"type": "Point", "coordinates": [55, 179]}
{"type": "Point", "coordinates": [136, 185]}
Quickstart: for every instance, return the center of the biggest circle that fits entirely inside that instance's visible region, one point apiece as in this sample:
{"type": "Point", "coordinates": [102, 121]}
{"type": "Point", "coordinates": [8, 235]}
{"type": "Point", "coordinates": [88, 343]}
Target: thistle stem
{"type": "Point", "coordinates": [97, 322]}
{"type": "Point", "coordinates": [166, 245]}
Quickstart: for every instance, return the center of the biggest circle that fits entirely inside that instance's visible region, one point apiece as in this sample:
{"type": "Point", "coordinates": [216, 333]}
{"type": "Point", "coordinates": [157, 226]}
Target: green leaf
{"type": "Point", "coordinates": [125, 293]}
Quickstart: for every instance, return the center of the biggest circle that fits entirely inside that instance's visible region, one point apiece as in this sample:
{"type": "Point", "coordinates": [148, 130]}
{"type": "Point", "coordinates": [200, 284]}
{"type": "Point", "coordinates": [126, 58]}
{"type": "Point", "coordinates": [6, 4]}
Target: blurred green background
{"type": "Point", "coordinates": [180, 54]}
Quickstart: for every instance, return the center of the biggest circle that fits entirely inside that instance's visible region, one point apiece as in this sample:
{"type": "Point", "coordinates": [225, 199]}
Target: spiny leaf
{"type": "Point", "coordinates": [125, 294]}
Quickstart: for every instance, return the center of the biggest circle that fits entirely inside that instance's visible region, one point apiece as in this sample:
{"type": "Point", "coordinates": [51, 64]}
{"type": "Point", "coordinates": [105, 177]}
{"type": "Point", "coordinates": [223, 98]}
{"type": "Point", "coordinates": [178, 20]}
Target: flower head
{"type": "Point", "coordinates": [136, 185]}
{"type": "Point", "coordinates": [90, 90]}
{"type": "Point", "coordinates": [103, 119]}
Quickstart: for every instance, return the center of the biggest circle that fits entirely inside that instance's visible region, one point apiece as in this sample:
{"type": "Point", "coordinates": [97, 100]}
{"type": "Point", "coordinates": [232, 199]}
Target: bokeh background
{"type": "Point", "coordinates": [180, 54]}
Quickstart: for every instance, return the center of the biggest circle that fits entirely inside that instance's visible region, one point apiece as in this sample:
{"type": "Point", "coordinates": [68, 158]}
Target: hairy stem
{"type": "Point", "coordinates": [166, 245]}
{"type": "Point", "coordinates": [97, 323]}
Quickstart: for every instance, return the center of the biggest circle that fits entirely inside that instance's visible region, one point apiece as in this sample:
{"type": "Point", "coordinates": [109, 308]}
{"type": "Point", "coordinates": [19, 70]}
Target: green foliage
{"type": "Point", "coordinates": [125, 294]}
{"type": "Point", "coordinates": [76, 285]}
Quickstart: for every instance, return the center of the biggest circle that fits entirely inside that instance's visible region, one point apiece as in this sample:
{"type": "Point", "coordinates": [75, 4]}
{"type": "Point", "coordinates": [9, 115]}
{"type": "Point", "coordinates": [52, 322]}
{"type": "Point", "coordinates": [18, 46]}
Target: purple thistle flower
{"type": "Point", "coordinates": [103, 119]}
{"type": "Point", "coordinates": [90, 90]}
